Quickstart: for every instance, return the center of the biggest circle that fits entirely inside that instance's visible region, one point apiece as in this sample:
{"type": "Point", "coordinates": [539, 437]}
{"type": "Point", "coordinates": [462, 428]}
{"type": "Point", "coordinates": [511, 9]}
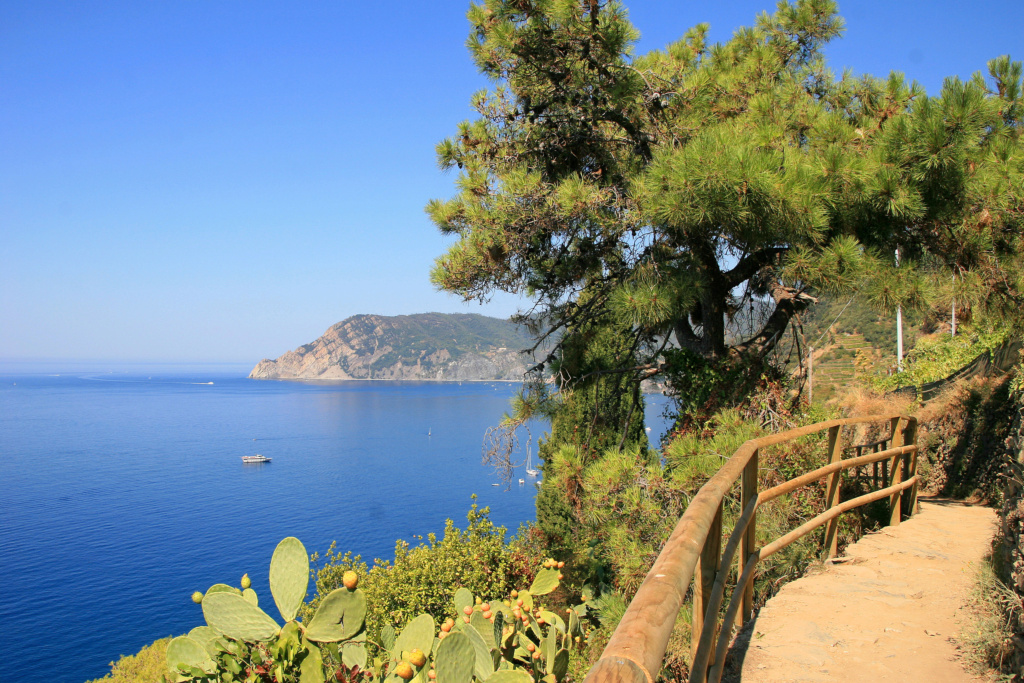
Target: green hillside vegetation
{"type": "Point", "coordinates": [938, 355]}
{"type": "Point", "coordinates": [148, 665]}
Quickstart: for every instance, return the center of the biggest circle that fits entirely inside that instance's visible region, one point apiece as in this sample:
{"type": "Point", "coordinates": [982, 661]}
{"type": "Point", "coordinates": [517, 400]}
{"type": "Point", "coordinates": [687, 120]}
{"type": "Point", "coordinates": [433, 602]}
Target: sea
{"type": "Point", "coordinates": [123, 491]}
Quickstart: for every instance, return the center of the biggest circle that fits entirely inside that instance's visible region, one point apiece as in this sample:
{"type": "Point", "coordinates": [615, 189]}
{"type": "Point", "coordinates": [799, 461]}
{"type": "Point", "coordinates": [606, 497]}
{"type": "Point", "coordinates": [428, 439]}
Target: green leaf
{"type": "Point", "coordinates": [311, 670]}
{"type": "Point", "coordinates": [237, 618]}
{"type": "Point", "coordinates": [546, 581]}
{"type": "Point", "coordinates": [499, 623]}
{"type": "Point", "coordinates": [456, 659]}
{"type": "Point", "coordinates": [463, 599]}
{"type": "Point", "coordinates": [483, 666]}
{"type": "Point", "coordinates": [205, 636]}
{"type": "Point", "coordinates": [417, 635]}
{"type": "Point", "coordinates": [387, 637]}
{"type": "Point", "coordinates": [183, 651]}
{"type": "Point", "coordinates": [289, 576]}
{"type": "Point", "coordinates": [560, 666]}
{"type": "Point", "coordinates": [223, 588]}
{"type": "Point", "coordinates": [510, 676]}
{"type": "Point", "coordinates": [353, 653]}
{"type": "Point", "coordinates": [250, 595]}
{"type": "Point", "coordinates": [484, 627]}
{"type": "Point", "coordinates": [339, 616]}
{"type": "Point", "coordinates": [553, 619]}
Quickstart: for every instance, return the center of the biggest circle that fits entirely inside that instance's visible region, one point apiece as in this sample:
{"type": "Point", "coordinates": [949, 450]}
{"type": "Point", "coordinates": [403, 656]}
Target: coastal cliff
{"type": "Point", "coordinates": [425, 346]}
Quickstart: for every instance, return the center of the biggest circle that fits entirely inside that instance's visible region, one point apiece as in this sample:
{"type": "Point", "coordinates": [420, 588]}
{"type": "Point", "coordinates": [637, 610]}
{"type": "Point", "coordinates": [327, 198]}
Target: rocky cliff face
{"type": "Point", "coordinates": [428, 346]}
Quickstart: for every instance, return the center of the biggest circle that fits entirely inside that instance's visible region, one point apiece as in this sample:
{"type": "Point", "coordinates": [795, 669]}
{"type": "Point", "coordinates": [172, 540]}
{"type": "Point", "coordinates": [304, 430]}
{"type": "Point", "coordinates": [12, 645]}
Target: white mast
{"type": "Point", "coordinates": [899, 326]}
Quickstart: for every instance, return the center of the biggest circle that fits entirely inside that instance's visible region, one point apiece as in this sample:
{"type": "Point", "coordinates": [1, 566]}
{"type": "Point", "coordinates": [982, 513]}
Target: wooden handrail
{"type": "Point", "coordinates": [694, 552]}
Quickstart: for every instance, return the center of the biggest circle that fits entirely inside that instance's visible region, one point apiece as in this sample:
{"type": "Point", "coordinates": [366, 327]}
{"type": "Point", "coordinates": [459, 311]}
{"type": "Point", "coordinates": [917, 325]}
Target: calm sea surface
{"type": "Point", "coordinates": [122, 493]}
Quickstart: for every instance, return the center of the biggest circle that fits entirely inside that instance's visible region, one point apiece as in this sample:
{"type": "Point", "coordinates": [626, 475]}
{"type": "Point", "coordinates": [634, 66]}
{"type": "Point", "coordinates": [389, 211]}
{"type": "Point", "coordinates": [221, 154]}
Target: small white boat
{"type": "Point", "coordinates": [255, 458]}
{"type": "Point", "coordinates": [529, 464]}
{"type": "Point", "coordinates": [522, 481]}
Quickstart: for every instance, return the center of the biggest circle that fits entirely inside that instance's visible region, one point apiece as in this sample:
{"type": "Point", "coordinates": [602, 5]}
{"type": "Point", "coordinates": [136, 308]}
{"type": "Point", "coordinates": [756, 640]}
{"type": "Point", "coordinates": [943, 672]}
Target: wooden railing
{"type": "Point", "coordinates": [694, 550]}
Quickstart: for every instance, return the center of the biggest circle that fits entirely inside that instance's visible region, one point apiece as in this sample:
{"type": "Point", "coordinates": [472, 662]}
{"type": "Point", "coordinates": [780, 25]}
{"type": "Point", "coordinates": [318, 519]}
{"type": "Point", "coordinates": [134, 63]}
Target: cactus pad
{"type": "Point", "coordinates": [548, 648]}
{"type": "Point", "coordinates": [560, 666]}
{"type": "Point", "coordinates": [311, 670]}
{"type": "Point", "coordinates": [204, 635]}
{"type": "Point", "coordinates": [496, 631]}
{"type": "Point", "coordinates": [186, 651]}
{"type": "Point", "coordinates": [483, 665]}
{"type": "Point", "coordinates": [354, 654]}
{"type": "Point", "coordinates": [463, 599]}
{"type": "Point", "coordinates": [339, 617]}
{"type": "Point", "coordinates": [223, 588]}
{"type": "Point", "coordinates": [553, 619]}
{"type": "Point", "coordinates": [510, 676]}
{"type": "Point", "coordinates": [575, 627]}
{"type": "Point", "coordinates": [289, 576]}
{"type": "Point", "coordinates": [417, 635]}
{"type": "Point", "coordinates": [455, 659]}
{"type": "Point", "coordinates": [485, 628]}
{"type": "Point", "coordinates": [236, 618]}
{"type": "Point", "coordinates": [546, 581]}
{"type": "Point", "coordinates": [387, 637]}
{"type": "Point", "coordinates": [250, 595]}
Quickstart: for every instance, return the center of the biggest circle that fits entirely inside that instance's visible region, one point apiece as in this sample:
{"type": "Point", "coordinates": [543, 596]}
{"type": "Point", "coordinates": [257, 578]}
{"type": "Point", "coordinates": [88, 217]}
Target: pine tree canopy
{"type": "Point", "coordinates": [677, 186]}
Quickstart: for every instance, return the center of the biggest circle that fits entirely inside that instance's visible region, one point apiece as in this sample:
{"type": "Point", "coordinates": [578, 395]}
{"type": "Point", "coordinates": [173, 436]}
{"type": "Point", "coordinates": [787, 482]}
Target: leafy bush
{"type": "Point", "coordinates": [515, 640]}
{"type": "Point", "coordinates": [940, 355]}
{"type": "Point", "coordinates": [148, 665]}
{"type": "Point", "coordinates": [422, 578]}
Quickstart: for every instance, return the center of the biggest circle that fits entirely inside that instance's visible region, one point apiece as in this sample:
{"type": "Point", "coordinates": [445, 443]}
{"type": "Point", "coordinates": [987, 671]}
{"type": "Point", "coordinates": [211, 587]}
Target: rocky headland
{"type": "Point", "coordinates": [425, 346]}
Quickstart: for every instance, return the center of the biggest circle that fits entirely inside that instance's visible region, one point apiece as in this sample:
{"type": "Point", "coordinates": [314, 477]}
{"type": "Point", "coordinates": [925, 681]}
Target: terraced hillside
{"type": "Point", "coordinates": [852, 342]}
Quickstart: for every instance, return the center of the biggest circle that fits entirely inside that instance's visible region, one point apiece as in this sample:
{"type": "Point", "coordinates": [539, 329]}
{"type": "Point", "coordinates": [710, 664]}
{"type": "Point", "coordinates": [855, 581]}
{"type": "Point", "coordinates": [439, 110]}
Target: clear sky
{"type": "Point", "coordinates": [223, 180]}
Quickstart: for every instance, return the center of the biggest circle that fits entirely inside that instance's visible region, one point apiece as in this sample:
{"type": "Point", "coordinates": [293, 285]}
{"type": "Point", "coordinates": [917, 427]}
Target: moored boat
{"type": "Point", "coordinates": [529, 463]}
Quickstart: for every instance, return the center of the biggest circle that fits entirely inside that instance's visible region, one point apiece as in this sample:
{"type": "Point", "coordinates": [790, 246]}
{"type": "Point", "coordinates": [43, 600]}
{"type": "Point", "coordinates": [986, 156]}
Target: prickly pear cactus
{"type": "Point", "coordinates": [289, 576]}
{"type": "Point", "coordinates": [493, 641]}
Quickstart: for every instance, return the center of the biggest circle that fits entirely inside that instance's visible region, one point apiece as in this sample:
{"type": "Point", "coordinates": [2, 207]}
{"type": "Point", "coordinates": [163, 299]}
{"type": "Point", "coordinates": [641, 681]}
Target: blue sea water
{"type": "Point", "coordinates": [122, 493]}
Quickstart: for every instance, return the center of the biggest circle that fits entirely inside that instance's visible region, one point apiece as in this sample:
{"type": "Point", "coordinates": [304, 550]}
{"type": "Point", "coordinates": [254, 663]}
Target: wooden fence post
{"type": "Point", "coordinates": [835, 454]}
{"type": "Point", "coordinates": [896, 472]}
{"type": "Point", "coordinates": [748, 543]}
{"type": "Point", "coordinates": [704, 580]}
{"type": "Point", "coordinates": [910, 439]}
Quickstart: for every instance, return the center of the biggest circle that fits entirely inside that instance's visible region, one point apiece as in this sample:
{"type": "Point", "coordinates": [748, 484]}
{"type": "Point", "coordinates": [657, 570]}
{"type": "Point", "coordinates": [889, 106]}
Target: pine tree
{"type": "Point", "coordinates": [680, 186]}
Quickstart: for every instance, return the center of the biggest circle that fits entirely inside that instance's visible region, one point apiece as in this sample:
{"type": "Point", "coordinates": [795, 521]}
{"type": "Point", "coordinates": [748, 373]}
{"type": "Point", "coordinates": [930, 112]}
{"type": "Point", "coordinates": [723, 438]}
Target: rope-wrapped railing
{"type": "Point", "coordinates": [694, 550]}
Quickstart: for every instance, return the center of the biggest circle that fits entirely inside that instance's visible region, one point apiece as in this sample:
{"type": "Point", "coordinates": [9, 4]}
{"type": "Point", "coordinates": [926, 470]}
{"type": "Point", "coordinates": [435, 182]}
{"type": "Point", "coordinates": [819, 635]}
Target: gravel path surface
{"type": "Point", "coordinates": [887, 611]}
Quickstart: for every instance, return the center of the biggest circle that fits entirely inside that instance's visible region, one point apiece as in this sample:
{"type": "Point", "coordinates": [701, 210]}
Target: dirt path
{"type": "Point", "coordinates": [885, 612]}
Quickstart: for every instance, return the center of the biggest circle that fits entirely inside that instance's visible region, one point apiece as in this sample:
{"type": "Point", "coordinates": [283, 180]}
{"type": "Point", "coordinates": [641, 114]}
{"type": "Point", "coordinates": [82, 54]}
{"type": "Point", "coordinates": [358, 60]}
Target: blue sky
{"type": "Point", "coordinates": [222, 181]}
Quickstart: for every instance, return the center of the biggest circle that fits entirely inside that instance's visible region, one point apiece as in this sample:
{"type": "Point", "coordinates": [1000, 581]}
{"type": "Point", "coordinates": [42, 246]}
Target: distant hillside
{"type": "Point", "coordinates": [853, 342]}
{"type": "Point", "coordinates": [434, 346]}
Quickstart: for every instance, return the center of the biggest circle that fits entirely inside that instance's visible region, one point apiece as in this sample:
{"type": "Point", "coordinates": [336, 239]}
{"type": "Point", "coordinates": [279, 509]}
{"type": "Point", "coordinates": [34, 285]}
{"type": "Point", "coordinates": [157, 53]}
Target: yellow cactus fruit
{"type": "Point", "coordinates": [350, 579]}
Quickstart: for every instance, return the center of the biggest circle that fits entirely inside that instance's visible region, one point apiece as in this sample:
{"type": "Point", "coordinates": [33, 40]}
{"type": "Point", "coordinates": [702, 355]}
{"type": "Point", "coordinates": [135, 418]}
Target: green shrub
{"type": "Point", "coordinates": [422, 578]}
{"type": "Point", "coordinates": [513, 640]}
{"type": "Point", "coordinates": [940, 355]}
{"type": "Point", "coordinates": [148, 665]}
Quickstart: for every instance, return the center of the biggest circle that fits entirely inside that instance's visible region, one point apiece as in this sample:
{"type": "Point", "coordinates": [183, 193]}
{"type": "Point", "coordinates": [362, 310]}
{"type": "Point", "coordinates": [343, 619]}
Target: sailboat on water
{"type": "Point", "coordinates": [529, 463]}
